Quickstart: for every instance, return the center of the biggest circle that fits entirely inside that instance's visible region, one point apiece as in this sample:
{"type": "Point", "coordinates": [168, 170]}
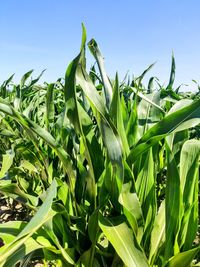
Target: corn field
{"type": "Point", "coordinates": [104, 173]}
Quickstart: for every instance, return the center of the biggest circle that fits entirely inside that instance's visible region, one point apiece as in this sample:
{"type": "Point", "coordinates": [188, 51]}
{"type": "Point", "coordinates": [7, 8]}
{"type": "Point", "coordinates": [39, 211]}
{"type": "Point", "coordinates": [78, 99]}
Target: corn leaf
{"type": "Point", "coordinates": [132, 209]}
{"type": "Point", "coordinates": [122, 239]}
{"type": "Point", "coordinates": [145, 188]}
{"type": "Point", "coordinates": [174, 208]}
{"type": "Point", "coordinates": [6, 164]}
{"type": "Point", "coordinates": [116, 115]}
{"type": "Point", "coordinates": [26, 248]}
{"type": "Point", "coordinates": [100, 61]}
{"type": "Point", "coordinates": [172, 74]}
{"type": "Point", "coordinates": [189, 168]}
{"type": "Point", "coordinates": [182, 119]}
{"type": "Point", "coordinates": [183, 259]}
{"type": "Point", "coordinates": [43, 214]}
{"type": "Point", "coordinates": [50, 110]}
{"type": "Point", "coordinates": [158, 233]}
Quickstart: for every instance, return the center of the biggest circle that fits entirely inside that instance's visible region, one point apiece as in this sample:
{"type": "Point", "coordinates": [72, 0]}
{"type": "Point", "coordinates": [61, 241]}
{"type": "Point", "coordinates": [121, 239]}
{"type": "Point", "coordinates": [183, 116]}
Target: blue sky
{"type": "Point", "coordinates": [46, 34]}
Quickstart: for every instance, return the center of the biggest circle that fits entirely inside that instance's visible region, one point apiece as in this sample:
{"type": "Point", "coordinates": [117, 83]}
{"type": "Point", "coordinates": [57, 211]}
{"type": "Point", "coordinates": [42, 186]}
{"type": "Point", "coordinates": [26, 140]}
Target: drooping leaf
{"type": "Point", "coordinates": [100, 61]}
{"type": "Point", "coordinates": [179, 120]}
{"type": "Point", "coordinates": [27, 247]}
{"type": "Point", "coordinates": [25, 77]}
{"type": "Point", "coordinates": [43, 214]}
{"type": "Point", "coordinates": [140, 78]}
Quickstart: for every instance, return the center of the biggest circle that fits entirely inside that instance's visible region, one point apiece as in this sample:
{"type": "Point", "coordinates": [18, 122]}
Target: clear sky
{"type": "Point", "coordinates": [46, 34]}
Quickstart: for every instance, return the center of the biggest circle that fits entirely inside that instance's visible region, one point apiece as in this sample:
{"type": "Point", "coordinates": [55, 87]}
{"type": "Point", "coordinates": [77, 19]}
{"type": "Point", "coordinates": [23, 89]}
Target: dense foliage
{"type": "Point", "coordinates": [108, 172]}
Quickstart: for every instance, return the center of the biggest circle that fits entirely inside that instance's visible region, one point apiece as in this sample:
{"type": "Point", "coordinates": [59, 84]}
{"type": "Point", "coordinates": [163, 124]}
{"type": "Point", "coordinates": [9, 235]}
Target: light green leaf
{"type": "Point", "coordinates": [179, 120]}
{"type": "Point", "coordinates": [146, 191]}
{"type": "Point", "coordinates": [6, 164]}
{"type": "Point", "coordinates": [189, 174]}
{"type": "Point", "coordinates": [116, 116]}
{"type": "Point", "coordinates": [122, 239]}
{"type": "Point", "coordinates": [158, 233]}
{"type": "Point", "coordinates": [26, 248]}
{"type": "Point", "coordinates": [109, 133]}
{"type": "Point", "coordinates": [44, 214]}
{"type": "Point", "coordinates": [25, 164]}
{"type": "Point", "coordinates": [183, 259]}
{"type": "Point", "coordinates": [132, 209]}
{"type": "Point", "coordinates": [174, 207]}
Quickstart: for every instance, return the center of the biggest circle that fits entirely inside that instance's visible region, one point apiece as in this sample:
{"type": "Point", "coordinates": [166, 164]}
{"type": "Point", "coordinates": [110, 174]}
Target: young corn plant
{"type": "Point", "coordinates": [108, 170]}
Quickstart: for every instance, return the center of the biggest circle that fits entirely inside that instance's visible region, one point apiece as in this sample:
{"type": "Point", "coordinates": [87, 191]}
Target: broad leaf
{"type": "Point", "coordinates": [122, 239]}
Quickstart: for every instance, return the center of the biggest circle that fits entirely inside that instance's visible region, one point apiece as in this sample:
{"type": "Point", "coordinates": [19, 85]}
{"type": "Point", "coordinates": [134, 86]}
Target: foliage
{"type": "Point", "coordinates": [108, 170]}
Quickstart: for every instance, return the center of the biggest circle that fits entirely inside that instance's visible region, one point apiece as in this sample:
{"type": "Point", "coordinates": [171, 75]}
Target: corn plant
{"type": "Point", "coordinates": [108, 170]}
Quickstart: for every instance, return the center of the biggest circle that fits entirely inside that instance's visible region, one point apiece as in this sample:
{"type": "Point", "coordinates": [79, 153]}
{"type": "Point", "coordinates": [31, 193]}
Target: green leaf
{"type": "Point", "coordinates": [93, 231]}
{"type": "Point", "coordinates": [150, 85]}
{"type": "Point", "coordinates": [174, 208]}
{"type": "Point", "coordinates": [50, 231]}
{"type": "Point", "coordinates": [148, 99]}
{"type": "Point", "coordinates": [100, 61]}
{"type": "Point", "coordinates": [148, 113]}
{"type": "Point", "coordinates": [140, 78]}
{"type": "Point", "coordinates": [43, 215]}
{"type": "Point", "coordinates": [109, 133]}
{"type": "Point", "coordinates": [93, 226]}
{"type": "Point", "coordinates": [26, 248]}
{"type": "Point", "coordinates": [3, 87]}
{"type": "Point", "coordinates": [132, 125]}
{"type": "Point", "coordinates": [146, 191]}
{"type": "Point", "coordinates": [6, 164]}
{"type": "Point", "coordinates": [183, 259]}
{"type": "Point", "coordinates": [13, 190]}
{"type": "Point", "coordinates": [25, 164]}
{"type": "Point", "coordinates": [32, 128]}
{"type": "Point", "coordinates": [50, 110]}
{"type": "Point", "coordinates": [179, 120]}
{"type": "Point", "coordinates": [116, 115]}
{"type": "Point", "coordinates": [9, 230]}
{"type": "Point", "coordinates": [158, 233]}
{"type": "Point", "coordinates": [132, 209]}
{"type": "Point", "coordinates": [37, 79]}
{"type": "Point", "coordinates": [25, 77]}
{"type": "Point", "coordinates": [189, 174]}
{"type": "Point", "coordinates": [72, 109]}
{"type": "Point", "coordinates": [172, 74]}
{"type": "Point", "coordinates": [122, 239]}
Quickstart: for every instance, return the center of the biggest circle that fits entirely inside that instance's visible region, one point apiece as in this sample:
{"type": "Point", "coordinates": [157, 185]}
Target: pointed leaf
{"type": "Point", "coordinates": [183, 259]}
